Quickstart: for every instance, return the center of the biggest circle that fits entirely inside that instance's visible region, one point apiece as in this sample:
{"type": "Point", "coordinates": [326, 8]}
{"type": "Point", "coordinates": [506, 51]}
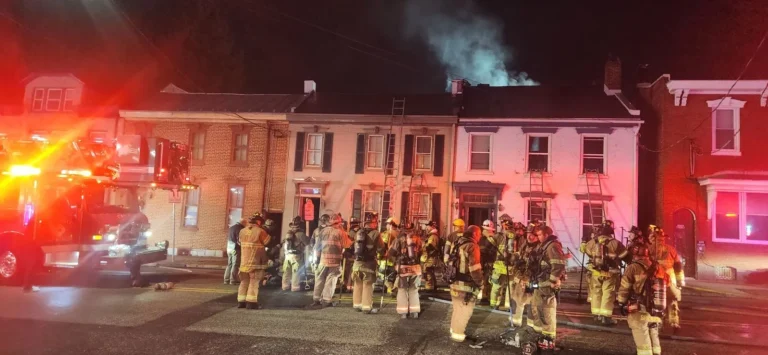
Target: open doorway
{"type": "Point", "coordinates": [476, 215]}
{"type": "Point", "coordinates": [314, 205]}
{"type": "Point", "coordinates": [685, 238]}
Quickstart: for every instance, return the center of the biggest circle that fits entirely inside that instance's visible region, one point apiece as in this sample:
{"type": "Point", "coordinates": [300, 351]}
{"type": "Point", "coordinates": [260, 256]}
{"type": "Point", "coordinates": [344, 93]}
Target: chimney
{"type": "Point", "coordinates": [457, 86]}
{"type": "Point", "coordinates": [612, 77]}
{"type": "Point", "coordinates": [309, 86]}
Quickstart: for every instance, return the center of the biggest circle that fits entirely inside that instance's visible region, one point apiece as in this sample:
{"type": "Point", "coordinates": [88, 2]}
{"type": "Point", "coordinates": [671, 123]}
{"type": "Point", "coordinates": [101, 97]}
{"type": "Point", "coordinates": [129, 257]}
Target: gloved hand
{"type": "Point", "coordinates": [623, 309]}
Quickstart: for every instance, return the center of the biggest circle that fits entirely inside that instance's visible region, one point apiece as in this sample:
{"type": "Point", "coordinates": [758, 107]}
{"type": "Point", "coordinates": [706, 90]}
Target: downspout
{"type": "Point", "coordinates": [268, 172]}
{"type": "Point", "coordinates": [635, 159]}
{"type": "Point", "coordinates": [451, 173]}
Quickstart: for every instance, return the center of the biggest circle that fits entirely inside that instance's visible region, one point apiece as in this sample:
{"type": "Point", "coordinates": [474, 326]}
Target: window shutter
{"type": "Point", "coordinates": [436, 208]}
{"type": "Point", "coordinates": [439, 153]}
{"type": "Point", "coordinates": [357, 203]}
{"type": "Point", "coordinates": [360, 154]}
{"type": "Point", "coordinates": [390, 153]}
{"type": "Point", "coordinates": [386, 202]}
{"type": "Point", "coordinates": [404, 207]}
{"type": "Point", "coordinates": [327, 152]}
{"type": "Point", "coordinates": [408, 155]}
{"type": "Point", "coordinates": [298, 161]}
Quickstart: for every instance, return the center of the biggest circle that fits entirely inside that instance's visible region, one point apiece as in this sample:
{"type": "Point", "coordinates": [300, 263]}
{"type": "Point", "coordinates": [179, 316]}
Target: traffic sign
{"type": "Point", "coordinates": [174, 196]}
{"type": "Point", "coordinates": [309, 210]}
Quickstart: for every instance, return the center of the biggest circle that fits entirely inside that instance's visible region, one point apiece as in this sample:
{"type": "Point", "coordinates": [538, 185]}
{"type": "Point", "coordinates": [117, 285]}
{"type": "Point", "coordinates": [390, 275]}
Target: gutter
{"type": "Point", "coordinates": [268, 171]}
{"type": "Point", "coordinates": [451, 174]}
{"type": "Point", "coordinates": [550, 120]}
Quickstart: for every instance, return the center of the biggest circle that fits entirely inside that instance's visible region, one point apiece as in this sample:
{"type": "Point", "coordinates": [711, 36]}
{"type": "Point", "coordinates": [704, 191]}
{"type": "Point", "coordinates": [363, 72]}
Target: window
{"type": "Point", "coordinates": [38, 97]}
{"type": "Point", "coordinates": [537, 210]}
{"type": "Point", "coordinates": [235, 203]}
{"type": "Point", "coordinates": [480, 152]}
{"type": "Point", "coordinates": [371, 202]}
{"type": "Point", "coordinates": [741, 217]}
{"type": "Point", "coordinates": [424, 153]}
{"type": "Point", "coordinates": [314, 153]}
{"type": "Point", "coordinates": [198, 146]}
{"type": "Point", "coordinates": [420, 206]}
{"type": "Point", "coordinates": [538, 153]}
{"type": "Point", "coordinates": [241, 147]}
{"type": "Point", "coordinates": [725, 126]}
{"type": "Point", "coordinates": [592, 215]}
{"type": "Point", "coordinates": [375, 152]}
{"type": "Point", "coordinates": [53, 100]}
{"type": "Point", "coordinates": [191, 204]}
{"type": "Point", "coordinates": [69, 99]}
{"type": "Point", "coordinates": [593, 154]}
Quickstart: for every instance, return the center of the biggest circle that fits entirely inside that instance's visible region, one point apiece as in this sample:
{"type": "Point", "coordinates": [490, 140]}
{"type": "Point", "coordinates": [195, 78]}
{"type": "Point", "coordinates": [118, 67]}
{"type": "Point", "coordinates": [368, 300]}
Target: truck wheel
{"type": "Point", "coordinates": [10, 267]}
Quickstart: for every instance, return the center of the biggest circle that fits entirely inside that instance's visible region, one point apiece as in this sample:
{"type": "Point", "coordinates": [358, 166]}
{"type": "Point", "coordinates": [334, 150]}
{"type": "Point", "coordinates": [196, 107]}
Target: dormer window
{"type": "Point", "coordinates": [53, 99]}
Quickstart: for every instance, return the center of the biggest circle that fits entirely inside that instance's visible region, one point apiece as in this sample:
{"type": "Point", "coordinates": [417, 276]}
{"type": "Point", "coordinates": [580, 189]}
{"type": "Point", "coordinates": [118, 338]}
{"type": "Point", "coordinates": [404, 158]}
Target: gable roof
{"type": "Point", "coordinates": [377, 104]}
{"type": "Point", "coordinates": [195, 102]}
{"type": "Point", "coordinates": [589, 102]}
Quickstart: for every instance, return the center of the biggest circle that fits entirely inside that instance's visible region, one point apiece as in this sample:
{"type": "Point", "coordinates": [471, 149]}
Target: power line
{"type": "Point", "coordinates": [700, 124]}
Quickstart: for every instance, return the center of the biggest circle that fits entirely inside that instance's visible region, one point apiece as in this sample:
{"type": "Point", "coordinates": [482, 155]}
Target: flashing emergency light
{"type": "Point", "coordinates": [80, 172]}
{"type": "Point", "coordinates": [23, 170]}
{"type": "Point", "coordinates": [730, 215]}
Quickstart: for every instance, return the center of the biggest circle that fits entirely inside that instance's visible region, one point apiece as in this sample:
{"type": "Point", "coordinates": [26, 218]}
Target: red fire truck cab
{"type": "Point", "coordinates": [77, 204]}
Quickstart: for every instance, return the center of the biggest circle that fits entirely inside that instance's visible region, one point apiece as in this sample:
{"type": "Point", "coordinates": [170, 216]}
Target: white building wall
{"type": "Point", "coordinates": [508, 166]}
{"type": "Point", "coordinates": [343, 180]}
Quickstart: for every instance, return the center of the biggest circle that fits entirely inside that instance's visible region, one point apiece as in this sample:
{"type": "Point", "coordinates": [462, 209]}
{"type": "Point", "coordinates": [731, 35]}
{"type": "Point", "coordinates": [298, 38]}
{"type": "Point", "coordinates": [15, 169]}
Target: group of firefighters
{"type": "Point", "coordinates": [521, 263]}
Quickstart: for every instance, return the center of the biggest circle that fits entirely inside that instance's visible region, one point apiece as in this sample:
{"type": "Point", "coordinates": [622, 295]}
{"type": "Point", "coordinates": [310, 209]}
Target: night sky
{"type": "Point", "coordinates": [366, 46]}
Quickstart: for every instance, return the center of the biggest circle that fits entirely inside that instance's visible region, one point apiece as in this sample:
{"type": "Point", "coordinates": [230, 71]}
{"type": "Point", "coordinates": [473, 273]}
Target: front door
{"type": "Point", "coordinates": [476, 215]}
{"type": "Point", "coordinates": [684, 239]}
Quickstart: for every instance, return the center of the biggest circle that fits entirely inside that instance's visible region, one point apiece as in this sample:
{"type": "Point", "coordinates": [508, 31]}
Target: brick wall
{"type": "Point", "coordinates": [214, 177]}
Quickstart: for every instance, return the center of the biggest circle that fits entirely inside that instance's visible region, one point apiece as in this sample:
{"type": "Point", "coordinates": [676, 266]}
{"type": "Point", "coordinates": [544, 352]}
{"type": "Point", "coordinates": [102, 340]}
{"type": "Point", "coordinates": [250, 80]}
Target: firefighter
{"type": "Point", "coordinates": [254, 262]}
{"type": "Point", "coordinates": [500, 275]}
{"type": "Point", "coordinates": [645, 326]}
{"type": "Point", "coordinates": [233, 253]}
{"type": "Point", "coordinates": [666, 255]}
{"type": "Point", "coordinates": [293, 249]}
{"type": "Point", "coordinates": [406, 250]}
{"type": "Point", "coordinates": [487, 258]}
{"type": "Point", "coordinates": [328, 249]}
{"type": "Point", "coordinates": [386, 265]}
{"type": "Point", "coordinates": [522, 292]}
{"type": "Point", "coordinates": [430, 257]}
{"type": "Point", "coordinates": [469, 280]}
{"type": "Point", "coordinates": [550, 261]}
{"type": "Point", "coordinates": [636, 238]}
{"type": "Point", "coordinates": [367, 244]}
{"type": "Point", "coordinates": [458, 230]}
{"type": "Point", "coordinates": [309, 250]}
{"type": "Point", "coordinates": [349, 253]}
{"type": "Point", "coordinates": [605, 256]}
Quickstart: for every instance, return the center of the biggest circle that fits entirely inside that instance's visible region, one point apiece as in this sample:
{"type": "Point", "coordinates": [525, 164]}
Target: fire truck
{"type": "Point", "coordinates": [78, 204]}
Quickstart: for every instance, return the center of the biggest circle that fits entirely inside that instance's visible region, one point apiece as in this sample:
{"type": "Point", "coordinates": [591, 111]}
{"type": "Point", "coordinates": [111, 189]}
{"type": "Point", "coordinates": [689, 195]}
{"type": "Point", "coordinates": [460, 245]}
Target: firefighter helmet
{"type": "Point", "coordinates": [488, 225]}
{"type": "Point", "coordinates": [393, 221]}
{"type": "Point", "coordinates": [335, 220]}
{"type": "Point", "coordinates": [325, 220]}
{"type": "Point", "coordinates": [409, 226]}
{"type": "Point", "coordinates": [431, 230]}
{"type": "Point", "coordinates": [295, 222]}
{"type": "Point", "coordinates": [371, 218]}
{"type": "Point", "coordinates": [269, 223]}
{"type": "Point", "coordinates": [432, 224]}
{"type": "Point", "coordinates": [256, 217]}
{"type": "Point", "coordinates": [507, 224]}
{"type": "Point", "coordinates": [354, 222]}
{"type": "Point", "coordinates": [458, 222]}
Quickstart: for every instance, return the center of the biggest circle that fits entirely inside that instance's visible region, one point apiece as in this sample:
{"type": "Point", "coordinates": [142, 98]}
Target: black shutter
{"type": "Point", "coordinates": [408, 155]}
{"type": "Point", "coordinates": [436, 208]}
{"type": "Point", "coordinates": [327, 152]}
{"type": "Point", "coordinates": [439, 154]}
{"type": "Point", "coordinates": [404, 207]}
{"type": "Point", "coordinates": [357, 203]}
{"type": "Point", "coordinates": [360, 154]}
{"type": "Point", "coordinates": [390, 153]}
{"type": "Point", "coordinates": [298, 160]}
{"type": "Point", "coordinates": [386, 202]}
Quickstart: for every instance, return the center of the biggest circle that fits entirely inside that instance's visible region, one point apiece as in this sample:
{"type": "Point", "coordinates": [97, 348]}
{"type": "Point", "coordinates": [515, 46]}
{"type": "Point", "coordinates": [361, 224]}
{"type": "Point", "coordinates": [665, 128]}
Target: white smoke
{"type": "Point", "coordinates": [467, 42]}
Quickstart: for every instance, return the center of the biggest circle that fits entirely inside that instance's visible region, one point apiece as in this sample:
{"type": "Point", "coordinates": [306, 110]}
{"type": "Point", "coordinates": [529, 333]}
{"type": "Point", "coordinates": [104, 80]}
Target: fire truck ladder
{"type": "Point", "coordinates": [537, 203]}
{"type": "Point", "coordinates": [594, 186]}
{"type": "Point", "coordinates": [393, 155]}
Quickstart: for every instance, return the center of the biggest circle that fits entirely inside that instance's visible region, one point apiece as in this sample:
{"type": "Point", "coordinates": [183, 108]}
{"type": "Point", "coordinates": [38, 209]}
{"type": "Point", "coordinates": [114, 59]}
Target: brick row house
{"type": "Point", "coordinates": [708, 183]}
{"type": "Point", "coordinates": [357, 154]}
{"type": "Point", "coordinates": [530, 153]}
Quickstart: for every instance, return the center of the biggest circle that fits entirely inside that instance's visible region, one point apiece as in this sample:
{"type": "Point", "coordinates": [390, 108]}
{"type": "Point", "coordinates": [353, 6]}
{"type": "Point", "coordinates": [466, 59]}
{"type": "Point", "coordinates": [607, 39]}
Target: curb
{"type": "Point", "coordinates": [623, 331]}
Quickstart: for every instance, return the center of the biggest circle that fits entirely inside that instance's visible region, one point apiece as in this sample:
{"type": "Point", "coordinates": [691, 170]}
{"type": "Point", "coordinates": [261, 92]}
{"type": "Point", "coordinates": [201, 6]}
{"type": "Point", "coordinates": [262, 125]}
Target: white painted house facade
{"type": "Point", "coordinates": [524, 152]}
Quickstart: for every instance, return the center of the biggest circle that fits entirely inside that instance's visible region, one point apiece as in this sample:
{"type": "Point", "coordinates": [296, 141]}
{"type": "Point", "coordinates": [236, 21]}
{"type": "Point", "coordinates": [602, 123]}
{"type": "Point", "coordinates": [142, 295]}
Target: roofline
{"type": "Point", "coordinates": [213, 117]}
{"type": "Point", "coordinates": [370, 119]}
{"type": "Point", "coordinates": [551, 120]}
{"type": "Point", "coordinates": [627, 104]}
{"type": "Point", "coordinates": [36, 75]}
{"type": "Point", "coordinates": [682, 88]}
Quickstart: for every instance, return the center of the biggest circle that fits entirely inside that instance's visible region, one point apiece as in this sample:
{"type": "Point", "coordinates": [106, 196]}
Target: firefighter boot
{"type": "Point", "coordinates": [241, 304]}
{"type": "Point", "coordinates": [252, 305]}
{"type": "Point", "coordinates": [609, 321]}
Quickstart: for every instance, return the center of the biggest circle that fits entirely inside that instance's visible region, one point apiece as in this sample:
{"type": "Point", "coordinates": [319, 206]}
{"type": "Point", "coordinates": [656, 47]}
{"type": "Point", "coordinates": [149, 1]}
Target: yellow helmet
{"type": "Point", "coordinates": [458, 222]}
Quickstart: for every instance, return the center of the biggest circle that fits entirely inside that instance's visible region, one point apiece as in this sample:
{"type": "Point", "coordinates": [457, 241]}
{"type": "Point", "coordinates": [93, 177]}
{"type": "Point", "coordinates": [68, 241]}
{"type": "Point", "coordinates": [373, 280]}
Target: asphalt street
{"type": "Point", "coordinates": [105, 316]}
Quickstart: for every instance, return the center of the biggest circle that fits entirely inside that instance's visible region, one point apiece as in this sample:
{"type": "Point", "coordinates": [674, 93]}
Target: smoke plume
{"type": "Point", "coordinates": [467, 42]}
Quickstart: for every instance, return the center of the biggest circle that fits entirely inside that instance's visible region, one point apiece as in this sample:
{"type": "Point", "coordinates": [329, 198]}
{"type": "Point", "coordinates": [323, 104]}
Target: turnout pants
{"type": "Point", "coordinates": [645, 331]}
{"type": "Point", "coordinates": [603, 292]}
{"type": "Point", "coordinates": [232, 272]}
{"type": "Point", "coordinates": [499, 284]}
{"type": "Point", "coordinates": [485, 293]}
{"type": "Point", "coordinates": [544, 311]}
{"type": "Point", "coordinates": [249, 286]}
{"type": "Point", "coordinates": [674, 296]}
{"type": "Point", "coordinates": [291, 274]}
{"type": "Point", "coordinates": [325, 282]}
{"type": "Point", "coordinates": [362, 290]}
{"type": "Point", "coordinates": [408, 294]}
{"type": "Point", "coordinates": [521, 299]}
{"type": "Point", "coordinates": [462, 312]}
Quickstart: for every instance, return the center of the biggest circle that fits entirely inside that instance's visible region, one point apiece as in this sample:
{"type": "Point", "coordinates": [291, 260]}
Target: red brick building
{"type": "Point", "coordinates": [704, 175]}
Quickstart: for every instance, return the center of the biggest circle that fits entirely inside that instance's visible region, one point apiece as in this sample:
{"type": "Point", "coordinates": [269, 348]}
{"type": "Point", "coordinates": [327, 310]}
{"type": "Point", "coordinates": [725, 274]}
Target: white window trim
{"type": "Point", "coordinates": [48, 99]}
{"type": "Point", "coordinates": [41, 100]}
{"type": "Point", "coordinates": [712, 195]}
{"type": "Point", "coordinates": [306, 150]}
{"type": "Point", "coordinates": [365, 198]}
{"type": "Point", "coordinates": [547, 208]}
{"type": "Point", "coordinates": [383, 151]}
{"type": "Point", "coordinates": [488, 171]}
{"type": "Point", "coordinates": [431, 152]}
{"type": "Point", "coordinates": [69, 95]}
{"type": "Point", "coordinates": [186, 206]}
{"type": "Point", "coordinates": [230, 187]}
{"type": "Point", "coordinates": [605, 152]}
{"type": "Point", "coordinates": [727, 103]}
{"type": "Point", "coordinates": [581, 212]}
{"type": "Point", "coordinates": [428, 213]}
{"type": "Point", "coordinates": [549, 150]}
